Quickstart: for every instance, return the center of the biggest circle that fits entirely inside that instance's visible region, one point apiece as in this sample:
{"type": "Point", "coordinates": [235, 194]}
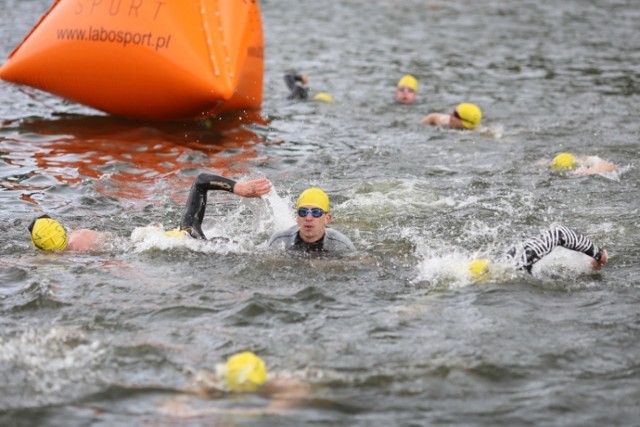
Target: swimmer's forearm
{"type": "Point", "coordinates": [207, 181]}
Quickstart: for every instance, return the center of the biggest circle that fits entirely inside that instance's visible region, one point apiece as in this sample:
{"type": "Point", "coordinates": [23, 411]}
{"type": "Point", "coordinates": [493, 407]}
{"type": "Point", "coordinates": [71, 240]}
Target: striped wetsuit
{"type": "Point", "coordinates": [532, 250]}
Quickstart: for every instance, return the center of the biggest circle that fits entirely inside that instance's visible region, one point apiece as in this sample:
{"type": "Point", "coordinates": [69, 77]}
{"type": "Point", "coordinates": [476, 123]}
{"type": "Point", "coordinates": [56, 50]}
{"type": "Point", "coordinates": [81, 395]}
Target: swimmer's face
{"type": "Point", "coordinates": [405, 95]}
{"type": "Point", "coordinates": [454, 120]}
{"type": "Point", "coordinates": [312, 229]}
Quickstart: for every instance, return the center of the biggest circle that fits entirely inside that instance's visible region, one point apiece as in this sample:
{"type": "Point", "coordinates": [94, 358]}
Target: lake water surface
{"type": "Point", "coordinates": [395, 334]}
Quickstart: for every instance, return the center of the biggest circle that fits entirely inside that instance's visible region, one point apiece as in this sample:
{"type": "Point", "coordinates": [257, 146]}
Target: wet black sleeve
{"type": "Point", "coordinates": [197, 201]}
{"type": "Point", "coordinates": [534, 249]}
{"type": "Point", "coordinates": [297, 90]}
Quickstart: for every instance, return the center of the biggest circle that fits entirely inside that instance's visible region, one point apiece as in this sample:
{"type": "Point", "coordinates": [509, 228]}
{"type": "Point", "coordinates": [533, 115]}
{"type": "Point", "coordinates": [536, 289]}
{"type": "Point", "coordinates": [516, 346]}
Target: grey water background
{"type": "Point", "coordinates": [392, 335]}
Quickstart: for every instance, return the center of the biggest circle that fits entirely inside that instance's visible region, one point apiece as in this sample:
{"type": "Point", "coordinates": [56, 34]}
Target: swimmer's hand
{"type": "Point", "coordinates": [253, 188]}
{"type": "Point", "coordinates": [597, 264]}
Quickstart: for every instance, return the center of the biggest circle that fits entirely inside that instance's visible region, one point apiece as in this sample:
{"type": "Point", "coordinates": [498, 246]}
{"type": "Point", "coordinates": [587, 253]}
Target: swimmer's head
{"type": "Point", "coordinates": [469, 114]}
{"type": "Point", "coordinates": [479, 270]}
{"type": "Point", "coordinates": [564, 162]}
{"type": "Point", "coordinates": [324, 97]}
{"type": "Point", "coordinates": [314, 197]}
{"type": "Point", "coordinates": [243, 372]}
{"type": "Point", "coordinates": [408, 81]}
{"type": "Point", "coordinates": [48, 234]}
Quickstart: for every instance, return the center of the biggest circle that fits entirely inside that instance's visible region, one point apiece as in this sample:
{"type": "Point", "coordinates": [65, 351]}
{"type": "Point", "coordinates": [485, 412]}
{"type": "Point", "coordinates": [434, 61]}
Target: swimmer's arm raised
{"type": "Point", "coordinates": [534, 249]}
{"type": "Point", "coordinates": [291, 79]}
{"type": "Point", "coordinates": [197, 200]}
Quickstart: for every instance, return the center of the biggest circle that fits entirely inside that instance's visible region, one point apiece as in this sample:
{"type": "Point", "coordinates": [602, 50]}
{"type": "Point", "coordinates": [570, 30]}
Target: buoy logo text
{"type": "Point", "coordinates": [124, 38]}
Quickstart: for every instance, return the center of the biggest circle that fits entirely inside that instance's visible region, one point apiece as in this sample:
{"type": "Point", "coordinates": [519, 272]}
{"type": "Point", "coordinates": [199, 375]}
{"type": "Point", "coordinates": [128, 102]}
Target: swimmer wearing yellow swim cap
{"type": "Point", "coordinates": [564, 162]}
{"type": "Point", "coordinates": [525, 254]}
{"type": "Point", "coordinates": [243, 372]}
{"type": "Point", "coordinates": [479, 270]}
{"type": "Point", "coordinates": [407, 89]}
{"type": "Point", "coordinates": [465, 116]}
{"type": "Point", "coordinates": [582, 166]}
{"type": "Point", "coordinates": [311, 234]}
{"type": "Point", "coordinates": [469, 116]}
{"type": "Point", "coordinates": [48, 234]}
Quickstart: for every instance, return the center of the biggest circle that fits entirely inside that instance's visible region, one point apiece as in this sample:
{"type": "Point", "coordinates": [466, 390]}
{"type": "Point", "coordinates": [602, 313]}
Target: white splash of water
{"type": "Point", "coordinates": [53, 361]}
{"type": "Point", "coordinates": [282, 216]}
{"type": "Point", "coordinates": [563, 264]}
{"type": "Point", "coordinates": [153, 237]}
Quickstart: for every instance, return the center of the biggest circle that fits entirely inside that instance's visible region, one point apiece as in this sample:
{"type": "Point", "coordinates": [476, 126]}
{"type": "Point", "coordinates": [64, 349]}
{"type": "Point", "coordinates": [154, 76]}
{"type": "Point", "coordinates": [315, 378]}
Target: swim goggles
{"type": "Point", "coordinates": [459, 117]}
{"type": "Point", "coordinates": [315, 212]}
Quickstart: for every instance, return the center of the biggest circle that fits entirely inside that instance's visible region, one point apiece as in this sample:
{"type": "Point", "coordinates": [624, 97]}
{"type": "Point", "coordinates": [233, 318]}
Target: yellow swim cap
{"type": "Point", "coordinates": [470, 115]}
{"type": "Point", "coordinates": [244, 372]}
{"type": "Point", "coordinates": [408, 81]}
{"type": "Point", "coordinates": [314, 197]}
{"type": "Point", "coordinates": [564, 161]}
{"type": "Point", "coordinates": [175, 233]}
{"type": "Point", "coordinates": [48, 234]}
{"type": "Point", "coordinates": [479, 269]}
{"type": "Point", "coordinates": [324, 97]}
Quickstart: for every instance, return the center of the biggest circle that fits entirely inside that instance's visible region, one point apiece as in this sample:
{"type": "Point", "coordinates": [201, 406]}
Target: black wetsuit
{"type": "Point", "coordinates": [197, 201]}
{"type": "Point", "coordinates": [534, 249]}
{"type": "Point", "coordinates": [296, 87]}
{"type": "Point", "coordinates": [331, 241]}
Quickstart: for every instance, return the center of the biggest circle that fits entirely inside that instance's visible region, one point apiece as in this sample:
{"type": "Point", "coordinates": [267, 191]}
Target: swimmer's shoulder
{"type": "Point", "coordinates": [338, 241]}
{"type": "Point", "coordinates": [283, 237]}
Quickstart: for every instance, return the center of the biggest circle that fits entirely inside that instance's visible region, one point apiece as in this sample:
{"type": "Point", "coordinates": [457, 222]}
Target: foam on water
{"type": "Point", "coordinates": [55, 363]}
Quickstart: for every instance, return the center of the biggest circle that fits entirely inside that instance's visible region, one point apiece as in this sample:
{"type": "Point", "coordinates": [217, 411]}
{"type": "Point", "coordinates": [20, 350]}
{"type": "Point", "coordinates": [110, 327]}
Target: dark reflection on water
{"type": "Point", "coordinates": [394, 334]}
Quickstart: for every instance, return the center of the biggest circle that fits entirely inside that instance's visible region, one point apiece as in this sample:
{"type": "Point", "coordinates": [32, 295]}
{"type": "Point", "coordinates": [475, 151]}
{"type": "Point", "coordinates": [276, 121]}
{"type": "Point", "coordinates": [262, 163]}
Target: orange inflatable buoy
{"type": "Point", "coordinates": [149, 59]}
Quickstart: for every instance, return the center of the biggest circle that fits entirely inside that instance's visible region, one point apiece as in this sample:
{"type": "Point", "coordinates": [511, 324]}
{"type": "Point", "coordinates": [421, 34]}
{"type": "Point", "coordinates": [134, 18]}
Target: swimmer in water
{"type": "Point", "coordinates": [581, 166]}
{"type": "Point", "coordinates": [465, 116]}
{"type": "Point", "coordinates": [524, 255]}
{"type": "Point", "coordinates": [49, 235]}
{"type": "Point", "coordinates": [311, 233]}
{"type": "Point", "coordinates": [406, 90]}
{"type": "Point", "coordinates": [298, 89]}
{"type": "Point", "coordinates": [242, 373]}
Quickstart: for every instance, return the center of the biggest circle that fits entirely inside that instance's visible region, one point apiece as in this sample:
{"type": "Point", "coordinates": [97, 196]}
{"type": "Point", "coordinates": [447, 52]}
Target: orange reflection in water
{"type": "Point", "coordinates": [136, 156]}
